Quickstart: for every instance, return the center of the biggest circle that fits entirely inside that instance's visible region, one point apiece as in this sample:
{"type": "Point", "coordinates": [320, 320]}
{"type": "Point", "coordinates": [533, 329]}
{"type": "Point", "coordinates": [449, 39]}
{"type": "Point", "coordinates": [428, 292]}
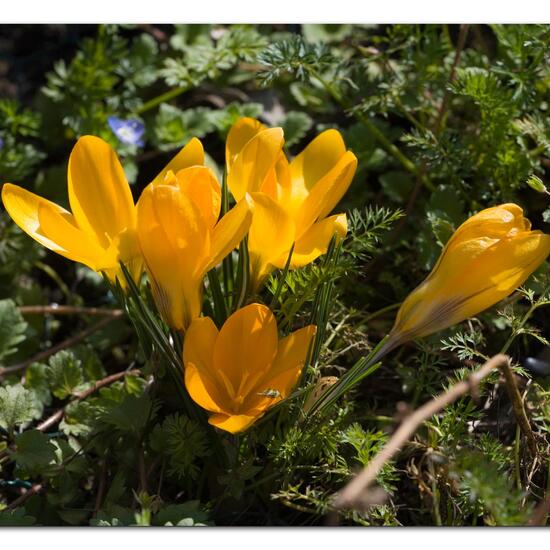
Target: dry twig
{"type": "Point", "coordinates": [55, 309]}
{"type": "Point", "coordinates": [68, 343]}
{"type": "Point", "coordinates": [58, 415]}
{"type": "Point", "coordinates": [356, 493]}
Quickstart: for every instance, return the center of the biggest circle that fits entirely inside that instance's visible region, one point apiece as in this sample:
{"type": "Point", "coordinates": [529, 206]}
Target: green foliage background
{"type": "Point", "coordinates": [445, 121]}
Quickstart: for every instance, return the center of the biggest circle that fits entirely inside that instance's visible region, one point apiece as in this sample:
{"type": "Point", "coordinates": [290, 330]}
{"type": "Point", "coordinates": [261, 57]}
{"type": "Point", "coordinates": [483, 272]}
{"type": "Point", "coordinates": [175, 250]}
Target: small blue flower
{"type": "Point", "coordinates": [1, 143]}
{"type": "Point", "coordinates": [129, 131]}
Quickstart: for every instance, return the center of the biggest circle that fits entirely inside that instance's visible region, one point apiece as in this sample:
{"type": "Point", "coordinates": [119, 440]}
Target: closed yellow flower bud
{"type": "Point", "coordinates": [181, 238]}
{"type": "Point", "coordinates": [489, 256]}
{"type": "Point", "coordinates": [242, 370]}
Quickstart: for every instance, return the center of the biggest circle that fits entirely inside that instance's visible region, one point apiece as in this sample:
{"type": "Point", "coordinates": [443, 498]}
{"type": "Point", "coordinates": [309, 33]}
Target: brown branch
{"type": "Point", "coordinates": [69, 342]}
{"type": "Point", "coordinates": [519, 409]}
{"type": "Point", "coordinates": [58, 415]}
{"type": "Point", "coordinates": [55, 309]}
{"type": "Point", "coordinates": [34, 490]}
{"type": "Point", "coordinates": [355, 492]}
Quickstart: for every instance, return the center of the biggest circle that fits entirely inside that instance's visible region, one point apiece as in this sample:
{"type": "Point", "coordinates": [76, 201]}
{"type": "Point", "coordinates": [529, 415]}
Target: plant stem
{"type": "Point", "coordinates": [167, 96]}
{"type": "Point", "coordinates": [386, 144]}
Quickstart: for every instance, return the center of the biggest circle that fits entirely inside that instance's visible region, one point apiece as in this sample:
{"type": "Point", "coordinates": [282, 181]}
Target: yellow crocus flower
{"type": "Point", "coordinates": [292, 200]}
{"type": "Point", "coordinates": [181, 238]}
{"type": "Point", "coordinates": [490, 255]}
{"type": "Point", "coordinates": [242, 370]}
{"type": "Point", "coordinates": [101, 230]}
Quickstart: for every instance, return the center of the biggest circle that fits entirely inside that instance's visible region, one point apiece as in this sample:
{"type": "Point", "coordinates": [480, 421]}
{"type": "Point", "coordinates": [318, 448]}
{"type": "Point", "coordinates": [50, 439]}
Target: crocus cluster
{"type": "Point", "coordinates": [176, 235]}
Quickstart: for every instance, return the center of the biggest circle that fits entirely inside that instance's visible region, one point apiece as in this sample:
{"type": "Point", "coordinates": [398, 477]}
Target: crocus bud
{"type": "Point", "coordinates": [486, 259]}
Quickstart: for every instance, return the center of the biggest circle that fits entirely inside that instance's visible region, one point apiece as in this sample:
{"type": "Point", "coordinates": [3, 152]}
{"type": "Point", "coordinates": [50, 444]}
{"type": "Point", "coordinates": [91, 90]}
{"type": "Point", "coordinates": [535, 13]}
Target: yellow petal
{"type": "Point", "coordinates": [230, 231]}
{"type": "Point", "coordinates": [174, 245]}
{"type": "Point", "coordinates": [314, 242]}
{"type": "Point", "coordinates": [318, 158]}
{"type": "Point", "coordinates": [254, 162]}
{"type": "Point", "coordinates": [245, 349]}
{"type": "Point", "coordinates": [200, 184]}
{"type": "Point", "coordinates": [99, 194]}
{"type": "Point", "coordinates": [271, 237]}
{"type": "Point", "coordinates": [198, 347]}
{"type": "Point", "coordinates": [326, 193]}
{"type": "Point", "coordinates": [22, 206]}
{"type": "Point", "coordinates": [240, 134]}
{"type": "Point", "coordinates": [285, 371]}
{"type": "Point", "coordinates": [232, 424]}
{"type": "Point", "coordinates": [202, 390]}
{"type": "Point", "coordinates": [183, 225]}
{"type": "Point", "coordinates": [200, 378]}
{"type": "Point", "coordinates": [75, 244]}
{"type": "Point", "coordinates": [190, 155]}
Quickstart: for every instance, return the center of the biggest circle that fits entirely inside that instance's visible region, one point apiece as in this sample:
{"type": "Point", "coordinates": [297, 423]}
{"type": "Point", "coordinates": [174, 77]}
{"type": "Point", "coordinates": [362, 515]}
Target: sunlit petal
{"type": "Point", "coordinates": [99, 194]}
{"type": "Point", "coordinates": [230, 231]}
{"type": "Point", "coordinates": [326, 193]}
{"type": "Point", "coordinates": [315, 241]}
{"type": "Point", "coordinates": [190, 155]}
{"type": "Point", "coordinates": [246, 347]}
{"type": "Point", "coordinates": [271, 236]}
{"type": "Point", "coordinates": [254, 162]}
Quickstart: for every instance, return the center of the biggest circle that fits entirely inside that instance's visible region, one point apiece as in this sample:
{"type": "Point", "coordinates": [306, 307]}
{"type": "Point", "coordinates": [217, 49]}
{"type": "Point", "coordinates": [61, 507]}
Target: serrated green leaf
{"type": "Point", "coordinates": [16, 406]}
{"type": "Point", "coordinates": [129, 415]}
{"type": "Point", "coordinates": [12, 328]}
{"type": "Point", "coordinates": [182, 441]}
{"type": "Point", "coordinates": [65, 374]}
{"type": "Point", "coordinates": [34, 451]}
{"type": "Point", "coordinates": [174, 127]}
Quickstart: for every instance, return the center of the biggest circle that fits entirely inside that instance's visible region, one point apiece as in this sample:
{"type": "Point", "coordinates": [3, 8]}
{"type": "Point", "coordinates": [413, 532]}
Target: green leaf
{"type": "Point", "coordinates": [183, 442]}
{"type": "Point", "coordinates": [446, 202]}
{"type": "Point", "coordinates": [129, 415]}
{"type": "Point", "coordinates": [65, 374]}
{"type": "Point", "coordinates": [15, 518]}
{"type": "Point", "coordinates": [12, 328]}
{"type": "Point", "coordinates": [186, 514]}
{"type": "Point", "coordinates": [397, 185]}
{"type": "Point", "coordinates": [16, 406]}
{"type": "Point", "coordinates": [114, 516]}
{"type": "Point", "coordinates": [224, 118]}
{"type": "Point", "coordinates": [296, 125]}
{"type": "Point", "coordinates": [174, 127]}
{"type": "Point", "coordinates": [326, 32]}
{"type": "Point", "coordinates": [34, 451]}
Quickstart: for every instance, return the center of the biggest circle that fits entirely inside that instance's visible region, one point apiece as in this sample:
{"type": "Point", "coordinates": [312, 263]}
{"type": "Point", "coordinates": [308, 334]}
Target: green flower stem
{"type": "Point", "coordinates": [162, 98]}
{"type": "Point", "coordinates": [363, 368]}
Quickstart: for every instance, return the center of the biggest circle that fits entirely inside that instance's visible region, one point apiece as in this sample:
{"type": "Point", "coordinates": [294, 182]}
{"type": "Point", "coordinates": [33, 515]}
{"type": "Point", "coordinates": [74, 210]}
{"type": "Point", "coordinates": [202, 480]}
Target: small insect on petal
{"type": "Point", "coordinates": [270, 393]}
